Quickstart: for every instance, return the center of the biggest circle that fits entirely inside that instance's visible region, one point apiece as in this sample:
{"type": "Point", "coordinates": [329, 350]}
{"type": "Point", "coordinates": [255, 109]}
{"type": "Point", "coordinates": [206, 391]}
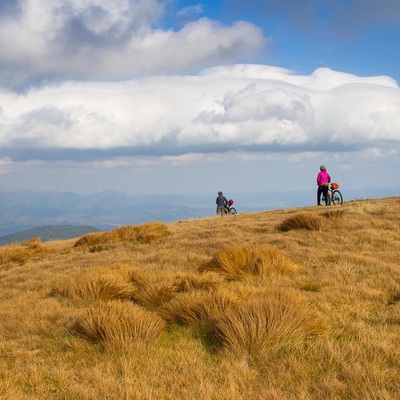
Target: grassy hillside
{"type": "Point", "coordinates": [291, 304]}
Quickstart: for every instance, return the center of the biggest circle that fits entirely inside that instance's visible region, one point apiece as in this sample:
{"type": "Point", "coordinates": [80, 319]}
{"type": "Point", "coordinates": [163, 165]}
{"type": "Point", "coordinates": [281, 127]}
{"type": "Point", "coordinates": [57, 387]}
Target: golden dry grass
{"type": "Point", "coordinates": [144, 233]}
{"type": "Point", "coordinates": [301, 221]}
{"type": "Point", "coordinates": [22, 252]}
{"type": "Point", "coordinates": [255, 324]}
{"type": "Point", "coordinates": [197, 306]}
{"type": "Point", "coordinates": [237, 262]}
{"type": "Point", "coordinates": [185, 313]}
{"type": "Point", "coordinates": [97, 284]}
{"type": "Point", "coordinates": [161, 289]}
{"type": "Point", "coordinates": [336, 214]}
{"type": "Point", "coordinates": [155, 292]}
{"type": "Point", "coordinates": [118, 323]}
{"type": "Point", "coordinates": [15, 253]}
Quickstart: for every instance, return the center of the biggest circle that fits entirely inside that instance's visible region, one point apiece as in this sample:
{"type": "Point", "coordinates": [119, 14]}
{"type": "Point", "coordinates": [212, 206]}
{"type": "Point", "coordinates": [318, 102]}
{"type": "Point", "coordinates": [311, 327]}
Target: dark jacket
{"type": "Point", "coordinates": [221, 200]}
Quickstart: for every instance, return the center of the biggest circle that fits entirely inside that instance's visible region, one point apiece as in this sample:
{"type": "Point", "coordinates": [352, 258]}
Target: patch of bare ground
{"type": "Point", "coordinates": [287, 304]}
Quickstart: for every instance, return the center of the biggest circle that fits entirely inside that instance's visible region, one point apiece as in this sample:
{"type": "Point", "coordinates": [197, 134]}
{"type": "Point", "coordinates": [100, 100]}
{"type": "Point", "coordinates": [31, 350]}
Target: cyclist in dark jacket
{"type": "Point", "coordinates": [221, 202]}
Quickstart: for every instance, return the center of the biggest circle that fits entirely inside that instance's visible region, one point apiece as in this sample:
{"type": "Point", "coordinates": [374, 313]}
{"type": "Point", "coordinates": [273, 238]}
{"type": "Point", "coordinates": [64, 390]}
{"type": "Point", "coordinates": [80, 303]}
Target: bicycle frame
{"type": "Point", "coordinates": [229, 209]}
{"type": "Point", "coordinates": [334, 197]}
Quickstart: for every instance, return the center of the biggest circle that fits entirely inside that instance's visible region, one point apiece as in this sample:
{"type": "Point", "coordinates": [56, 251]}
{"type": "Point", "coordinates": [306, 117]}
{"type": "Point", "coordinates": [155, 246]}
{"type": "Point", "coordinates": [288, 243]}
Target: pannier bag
{"type": "Point", "coordinates": [335, 185]}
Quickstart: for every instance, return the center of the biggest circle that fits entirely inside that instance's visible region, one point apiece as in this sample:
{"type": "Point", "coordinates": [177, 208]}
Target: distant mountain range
{"type": "Point", "coordinates": [22, 210]}
{"type": "Point", "coordinates": [48, 233]}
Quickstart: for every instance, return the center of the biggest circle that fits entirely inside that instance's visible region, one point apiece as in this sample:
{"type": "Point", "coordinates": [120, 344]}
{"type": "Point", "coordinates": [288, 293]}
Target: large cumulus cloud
{"type": "Point", "coordinates": [241, 108]}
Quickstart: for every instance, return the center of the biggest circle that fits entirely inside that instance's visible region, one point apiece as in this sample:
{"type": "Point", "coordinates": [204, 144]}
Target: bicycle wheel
{"type": "Point", "coordinates": [233, 210]}
{"type": "Point", "coordinates": [337, 197]}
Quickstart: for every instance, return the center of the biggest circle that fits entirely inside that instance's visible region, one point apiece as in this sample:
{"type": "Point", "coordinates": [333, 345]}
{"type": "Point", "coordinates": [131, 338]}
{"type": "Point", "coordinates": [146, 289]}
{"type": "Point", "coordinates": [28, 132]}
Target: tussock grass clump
{"type": "Point", "coordinates": [128, 232]}
{"type": "Point", "coordinates": [150, 232]}
{"type": "Point", "coordinates": [145, 233]}
{"type": "Point", "coordinates": [189, 281]}
{"type": "Point", "coordinates": [155, 293]}
{"type": "Point", "coordinates": [131, 274]}
{"type": "Point", "coordinates": [158, 290]}
{"type": "Point", "coordinates": [262, 321]}
{"type": "Point", "coordinates": [237, 262]}
{"type": "Point", "coordinates": [308, 222]}
{"type": "Point", "coordinates": [21, 253]}
{"type": "Point", "coordinates": [334, 214]}
{"type": "Point", "coordinates": [34, 243]}
{"type": "Point", "coordinates": [97, 284]}
{"type": "Point", "coordinates": [15, 253]}
{"type": "Point", "coordinates": [118, 323]}
{"type": "Point", "coordinates": [95, 239]}
{"type": "Point", "coordinates": [197, 306]}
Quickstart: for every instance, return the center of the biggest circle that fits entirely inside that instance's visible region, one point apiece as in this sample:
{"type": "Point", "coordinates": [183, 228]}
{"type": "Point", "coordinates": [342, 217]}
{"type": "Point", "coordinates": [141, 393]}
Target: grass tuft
{"type": "Point", "coordinates": [14, 253]}
{"type": "Point", "coordinates": [197, 306]}
{"type": "Point", "coordinates": [97, 284]}
{"type": "Point", "coordinates": [21, 253]}
{"type": "Point", "coordinates": [131, 274]}
{"type": "Point", "coordinates": [93, 240]}
{"type": "Point", "coordinates": [334, 214]}
{"type": "Point", "coordinates": [262, 321]}
{"type": "Point", "coordinates": [34, 243]}
{"type": "Point", "coordinates": [301, 221]}
{"type": "Point", "coordinates": [189, 281]}
{"type": "Point", "coordinates": [237, 262]}
{"type": "Point", "coordinates": [118, 323]}
{"type": "Point", "coordinates": [150, 232]}
{"type": "Point", "coordinates": [154, 292]}
{"type": "Point", "coordinates": [145, 233]}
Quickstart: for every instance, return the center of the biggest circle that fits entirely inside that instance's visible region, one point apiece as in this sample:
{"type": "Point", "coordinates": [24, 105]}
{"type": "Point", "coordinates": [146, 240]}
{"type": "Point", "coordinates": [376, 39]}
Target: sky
{"type": "Point", "coordinates": [175, 97]}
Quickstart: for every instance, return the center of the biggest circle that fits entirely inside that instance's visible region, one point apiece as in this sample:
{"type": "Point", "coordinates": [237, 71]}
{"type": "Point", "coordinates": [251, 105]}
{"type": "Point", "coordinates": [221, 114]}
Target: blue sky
{"type": "Point", "coordinates": [154, 97]}
{"type": "Point", "coordinates": [360, 37]}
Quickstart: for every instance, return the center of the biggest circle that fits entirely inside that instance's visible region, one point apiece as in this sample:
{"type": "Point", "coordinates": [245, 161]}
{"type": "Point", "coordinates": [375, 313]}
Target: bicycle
{"type": "Point", "coordinates": [229, 209]}
{"type": "Point", "coordinates": [334, 195]}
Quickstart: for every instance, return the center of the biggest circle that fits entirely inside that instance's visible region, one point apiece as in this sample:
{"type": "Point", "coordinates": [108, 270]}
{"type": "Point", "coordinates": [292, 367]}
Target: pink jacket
{"type": "Point", "coordinates": [323, 177]}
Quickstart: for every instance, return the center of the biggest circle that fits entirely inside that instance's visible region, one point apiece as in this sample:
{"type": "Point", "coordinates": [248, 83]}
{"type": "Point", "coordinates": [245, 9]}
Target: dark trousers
{"type": "Point", "coordinates": [324, 191]}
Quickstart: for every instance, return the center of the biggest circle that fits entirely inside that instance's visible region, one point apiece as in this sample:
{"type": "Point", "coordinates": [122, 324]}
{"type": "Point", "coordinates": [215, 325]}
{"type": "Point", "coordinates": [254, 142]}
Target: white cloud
{"type": "Point", "coordinates": [227, 109]}
{"type": "Point", "coordinates": [190, 11]}
{"type": "Point", "coordinates": [99, 39]}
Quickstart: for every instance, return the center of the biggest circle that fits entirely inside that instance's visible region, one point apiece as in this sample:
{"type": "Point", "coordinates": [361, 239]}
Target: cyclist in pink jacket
{"type": "Point", "coordinates": [323, 181]}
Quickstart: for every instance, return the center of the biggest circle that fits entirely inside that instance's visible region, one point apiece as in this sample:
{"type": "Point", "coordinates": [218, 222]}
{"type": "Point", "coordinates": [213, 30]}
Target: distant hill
{"type": "Point", "coordinates": [25, 209]}
{"type": "Point", "coordinates": [48, 233]}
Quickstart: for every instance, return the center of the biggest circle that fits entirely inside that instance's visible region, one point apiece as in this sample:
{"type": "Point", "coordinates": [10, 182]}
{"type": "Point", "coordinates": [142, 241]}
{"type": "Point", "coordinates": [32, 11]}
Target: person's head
{"type": "Point", "coordinates": [219, 193]}
{"type": "Point", "coordinates": [322, 168]}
